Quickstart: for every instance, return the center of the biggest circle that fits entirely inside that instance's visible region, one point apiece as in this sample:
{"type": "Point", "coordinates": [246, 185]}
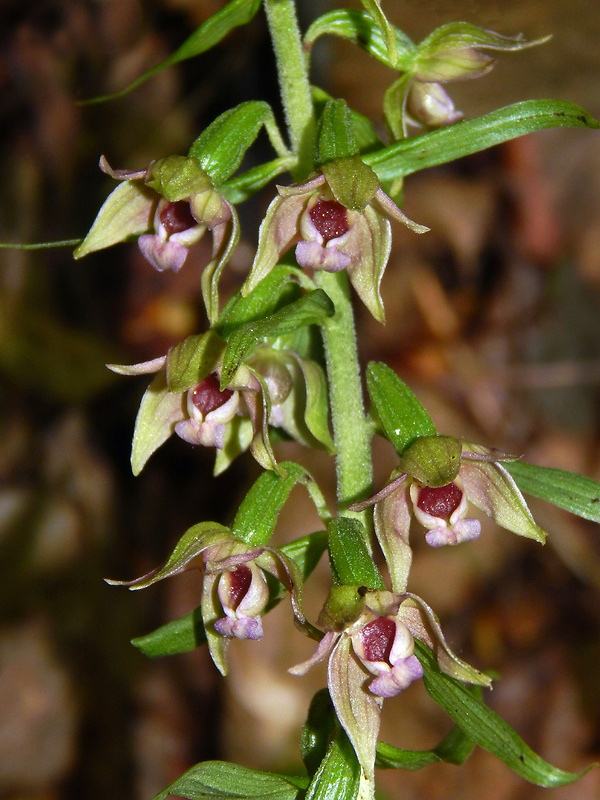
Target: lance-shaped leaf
{"type": "Point", "coordinates": [311, 309]}
{"type": "Point", "coordinates": [257, 515]}
{"type": "Point", "coordinates": [448, 144]}
{"type": "Point", "coordinates": [454, 748]}
{"type": "Point", "coordinates": [490, 487]}
{"type": "Point", "coordinates": [363, 30]}
{"type": "Point", "coordinates": [127, 211]}
{"type": "Point", "coordinates": [351, 561]}
{"type": "Point", "coordinates": [373, 8]}
{"type": "Point", "coordinates": [280, 285]}
{"type": "Point", "coordinates": [357, 709]}
{"type": "Point", "coordinates": [220, 779]}
{"type": "Point", "coordinates": [159, 410]}
{"type": "Point", "coordinates": [339, 773]}
{"type": "Point", "coordinates": [486, 728]}
{"type": "Point", "coordinates": [336, 132]}
{"type": "Point", "coordinates": [185, 554]}
{"type": "Point", "coordinates": [178, 636]}
{"type": "Point", "coordinates": [244, 186]}
{"type": "Point", "coordinates": [221, 147]}
{"type": "Point", "coordinates": [402, 416]}
{"type": "Point", "coordinates": [209, 34]}
{"type": "Point", "coordinates": [192, 360]}
{"type": "Point", "coordinates": [575, 493]}
{"type": "Point", "coordinates": [364, 132]}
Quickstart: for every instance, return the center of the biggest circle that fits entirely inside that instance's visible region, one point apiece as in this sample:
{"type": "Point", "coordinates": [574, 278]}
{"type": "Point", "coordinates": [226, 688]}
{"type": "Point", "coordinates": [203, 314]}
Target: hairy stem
{"type": "Point", "coordinates": [293, 82]}
{"type": "Point", "coordinates": [351, 430]}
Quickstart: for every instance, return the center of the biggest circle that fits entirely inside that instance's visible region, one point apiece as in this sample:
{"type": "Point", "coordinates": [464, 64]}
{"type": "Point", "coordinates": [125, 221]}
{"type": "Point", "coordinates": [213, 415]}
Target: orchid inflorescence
{"type": "Point", "coordinates": [258, 373]}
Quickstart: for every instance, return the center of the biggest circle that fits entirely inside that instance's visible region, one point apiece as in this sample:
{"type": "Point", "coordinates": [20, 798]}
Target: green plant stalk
{"type": "Point", "coordinates": [293, 82]}
{"type": "Point", "coordinates": [351, 429]}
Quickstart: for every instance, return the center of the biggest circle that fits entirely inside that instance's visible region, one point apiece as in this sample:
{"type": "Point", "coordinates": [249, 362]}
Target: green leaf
{"type": "Point", "coordinates": [351, 561]}
{"type": "Point", "coordinates": [568, 490]}
{"type": "Point", "coordinates": [178, 636]}
{"type": "Point", "coordinates": [361, 29]}
{"type": "Point", "coordinates": [364, 130]}
{"type": "Point", "coordinates": [257, 515]}
{"type": "Point", "coordinates": [317, 731]}
{"type": "Point", "coordinates": [277, 287]}
{"type": "Point", "coordinates": [402, 416]}
{"type": "Point", "coordinates": [373, 8]}
{"type": "Point", "coordinates": [454, 748]}
{"type": "Point", "coordinates": [311, 309]}
{"type": "Point", "coordinates": [209, 34]}
{"type": "Point", "coordinates": [159, 410]}
{"type": "Point", "coordinates": [338, 776]}
{"type": "Point", "coordinates": [486, 728]}
{"type": "Point", "coordinates": [246, 185]}
{"type": "Point", "coordinates": [471, 136]}
{"type": "Point", "coordinates": [233, 782]}
{"type": "Point", "coordinates": [192, 360]}
{"type": "Point", "coordinates": [306, 551]}
{"type": "Point", "coordinates": [221, 147]}
{"type": "Point", "coordinates": [336, 132]}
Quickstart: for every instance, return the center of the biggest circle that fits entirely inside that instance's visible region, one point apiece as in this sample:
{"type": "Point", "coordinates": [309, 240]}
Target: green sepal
{"type": "Point", "coordinates": [279, 286]}
{"type": "Point", "coordinates": [394, 102]}
{"type": "Point", "coordinates": [454, 748]}
{"type": "Point", "coordinates": [257, 515]}
{"type": "Point", "coordinates": [402, 416]}
{"type": "Point", "coordinates": [339, 773]}
{"type": "Point", "coordinates": [432, 460]}
{"type": "Point", "coordinates": [159, 410]}
{"type": "Point", "coordinates": [486, 728]}
{"type": "Point", "coordinates": [221, 779]}
{"type": "Point", "coordinates": [127, 211]}
{"type": "Point", "coordinates": [221, 147]}
{"type": "Point", "coordinates": [192, 360]}
{"type": "Point", "coordinates": [471, 136]}
{"type": "Point", "coordinates": [209, 34]}
{"type": "Point", "coordinates": [351, 181]}
{"type": "Point", "coordinates": [575, 493]}
{"type": "Point", "coordinates": [185, 553]}
{"type": "Point", "coordinates": [316, 406]}
{"type": "Point", "coordinates": [177, 178]}
{"type": "Point", "coordinates": [336, 132]}
{"type": "Point", "coordinates": [310, 309]}
{"type": "Point", "coordinates": [178, 636]}
{"type": "Point", "coordinates": [238, 437]}
{"type": "Point", "coordinates": [361, 29]}
{"type": "Point", "coordinates": [364, 131]}
{"type": "Point", "coordinates": [351, 562]}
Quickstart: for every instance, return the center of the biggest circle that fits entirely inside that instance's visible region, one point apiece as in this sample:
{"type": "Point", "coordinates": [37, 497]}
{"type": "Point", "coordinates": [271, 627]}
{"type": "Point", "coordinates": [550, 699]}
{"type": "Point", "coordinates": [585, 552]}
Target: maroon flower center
{"type": "Point", "coordinates": [207, 396]}
{"type": "Point", "coordinates": [330, 218]}
{"type": "Point", "coordinates": [239, 583]}
{"type": "Point", "coordinates": [177, 217]}
{"type": "Point", "coordinates": [440, 502]}
{"type": "Point", "coordinates": [377, 638]}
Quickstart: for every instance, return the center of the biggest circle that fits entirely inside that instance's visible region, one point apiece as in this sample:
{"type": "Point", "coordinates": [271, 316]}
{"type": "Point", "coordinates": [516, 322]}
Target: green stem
{"type": "Point", "coordinates": [293, 82]}
{"type": "Point", "coordinates": [351, 430]}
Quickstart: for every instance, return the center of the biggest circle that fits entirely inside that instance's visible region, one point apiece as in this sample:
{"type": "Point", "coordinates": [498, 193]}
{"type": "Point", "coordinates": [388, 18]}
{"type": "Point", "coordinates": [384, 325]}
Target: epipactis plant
{"type": "Point", "coordinates": [259, 373]}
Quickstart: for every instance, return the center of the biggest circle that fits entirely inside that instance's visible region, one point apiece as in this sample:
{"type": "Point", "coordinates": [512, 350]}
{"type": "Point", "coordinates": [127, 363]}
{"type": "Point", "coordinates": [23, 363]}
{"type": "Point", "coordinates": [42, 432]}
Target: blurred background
{"type": "Point", "coordinates": [494, 320]}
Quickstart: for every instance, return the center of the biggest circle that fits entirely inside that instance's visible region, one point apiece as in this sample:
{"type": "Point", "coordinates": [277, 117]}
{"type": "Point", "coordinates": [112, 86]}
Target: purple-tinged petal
{"type": "Point", "coordinates": [392, 518]}
{"type": "Point", "coordinates": [315, 256]}
{"type": "Point", "coordinates": [143, 368]}
{"type": "Point", "coordinates": [323, 649]}
{"type": "Point", "coordinates": [161, 255]}
{"type": "Point", "coordinates": [240, 627]}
